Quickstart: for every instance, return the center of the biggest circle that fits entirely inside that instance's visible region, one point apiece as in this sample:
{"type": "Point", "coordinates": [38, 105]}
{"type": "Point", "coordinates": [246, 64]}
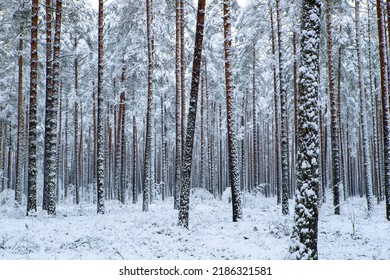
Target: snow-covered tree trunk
{"type": "Point", "coordinates": [100, 113]}
{"type": "Point", "coordinates": [336, 182]}
{"type": "Point", "coordinates": [135, 159]}
{"type": "Point", "coordinates": [254, 122]}
{"type": "Point", "coordinates": [363, 114]}
{"type": "Point", "coordinates": [385, 104]}
{"type": "Point", "coordinates": [20, 148]}
{"type": "Point", "coordinates": [32, 134]}
{"type": "Point", "coordinates": [178, 147]}
{"type": "Point", "coordinates": [148, 140]}
{"type": "Point", "coordinates": [49, 96]}
{"type": "Point", "coordinates": [191, 119]}
{"type": "Point", "coordinates": [276, 113]}
{"type": "Point", "coordinates": [234, 176]}
{"type": "Point", "coordinates": [305, 231]}
{"type": "Point", "coordinates": [202, 135]}
{"type": "Point", "coordinates": [283, 115]}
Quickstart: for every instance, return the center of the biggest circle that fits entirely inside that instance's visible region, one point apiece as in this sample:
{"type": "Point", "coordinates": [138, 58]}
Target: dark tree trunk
{"type": "Point", "coordinates": [189, 143]}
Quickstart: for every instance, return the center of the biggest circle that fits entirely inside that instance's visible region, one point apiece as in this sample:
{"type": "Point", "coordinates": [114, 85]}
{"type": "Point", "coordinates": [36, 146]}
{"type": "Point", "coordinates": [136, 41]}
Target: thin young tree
{"type": "Point", "coordinates": [191, 118]}
{"type": "Point", "coordinates": [100, 120]}
{"type": "Point", "coordinates": [305, 231]}
{"type": "Point", "coordinates": [234, 176]}
{"type": "Point", "coordinates": [19, 145]}
{"type": "Point", "coordinates": [32, 133]}
{"type": "Point", "coordinates": [178, 147]}
{"type": "Point", "coordinates": [283, 115]}
{"type": "Point", "coordinates": [148, 141]}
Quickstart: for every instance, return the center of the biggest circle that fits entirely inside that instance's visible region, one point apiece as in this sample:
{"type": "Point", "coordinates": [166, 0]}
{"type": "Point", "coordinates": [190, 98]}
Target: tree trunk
{"type": "Point", "coordinates": [283, 117]}
{"type": "Point", "coordinates": [148, 140]}
{"type": "Point", "coordinates": [336, 183]}
{"type": "Point", "coordinates": [305, 231]}
{"type": "Point", "coordinates": [20, 148]}
{"type": "Point", "coordinates": [385, 105]}
{"type": "Point", "coordinates": [178, 147]}
{"type": "Point", "coordinates": [32, 134]}
{"type": "Point", "coordinates": [100, 112]}
{"type": "Point", "coordinates": [189, 143]}
{"type": "Point", "coordinates": [234, 176]}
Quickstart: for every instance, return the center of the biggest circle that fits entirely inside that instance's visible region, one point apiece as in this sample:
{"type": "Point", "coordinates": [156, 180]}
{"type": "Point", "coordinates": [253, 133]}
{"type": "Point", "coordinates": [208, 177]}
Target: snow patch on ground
{"type": "Point", "coordinates": [125, 232]}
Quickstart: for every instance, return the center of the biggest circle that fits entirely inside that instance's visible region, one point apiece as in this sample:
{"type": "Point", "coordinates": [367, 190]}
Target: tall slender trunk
{"type": "Point", "coordinates": [148, 140]}
{"type": "Point", "coordinates": [178, 134]}
{"type": "Point", "coordinates": [276, 114]}
{"type": "Point", "coordinates": [385, 105]}
{"type": "Point", "coordinates": [189, 143]}
{"type": "Point", "coordinates": [100, 112]}
{"type": "Point", "coordinates": [283, 116]}
{"type": "Point", "coordinates": [49, 96]}
{"type": "Point", "coordinates": [254, 120]}
{"type": "Point", "coordinates": [336, 183]}
{"type": "Point", "coordinates": [20, 148]}
{"type": "Point", "coordinates": [32, 134]}
{"type": "Point", "coordinates": [234, 176]}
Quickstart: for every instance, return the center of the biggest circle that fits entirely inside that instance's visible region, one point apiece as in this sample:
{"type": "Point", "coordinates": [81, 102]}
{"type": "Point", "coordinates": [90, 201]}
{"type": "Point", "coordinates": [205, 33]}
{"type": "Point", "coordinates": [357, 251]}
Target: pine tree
{"type": "Point", "coordinates": [191, 119]}
{"type": "Point", "coordinates": [32, 134]}
{"type": "Point", "coordinates": [385, 104]}
{"type": "Point", "coordinates": [148, 136]}
{"type": "Point", "coordinates": [305, 231]}
{"type": "Point", "coordinates": [234, 178]}
{"type": "Point", "coordinates": [100, 110]}
{"type": "Point", "coordinates": [283, 116]}
{"type": "Point", "coordinates": [336, 183]}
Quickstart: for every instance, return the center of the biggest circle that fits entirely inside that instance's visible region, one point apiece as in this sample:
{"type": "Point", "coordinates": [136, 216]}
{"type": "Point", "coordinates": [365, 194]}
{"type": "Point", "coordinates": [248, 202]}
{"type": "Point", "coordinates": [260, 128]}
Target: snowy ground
{"type": "Point", "coordinates": [125, 232]}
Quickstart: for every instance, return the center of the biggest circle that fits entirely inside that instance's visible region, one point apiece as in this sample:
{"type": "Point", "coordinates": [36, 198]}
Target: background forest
{"type": "Point", "coordinates": [123, 135]}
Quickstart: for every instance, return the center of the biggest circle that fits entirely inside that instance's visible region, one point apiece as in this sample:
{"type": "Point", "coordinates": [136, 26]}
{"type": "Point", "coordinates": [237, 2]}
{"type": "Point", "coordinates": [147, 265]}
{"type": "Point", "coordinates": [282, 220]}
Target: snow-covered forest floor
{"type": "Point", "coordinates": [124, 232]}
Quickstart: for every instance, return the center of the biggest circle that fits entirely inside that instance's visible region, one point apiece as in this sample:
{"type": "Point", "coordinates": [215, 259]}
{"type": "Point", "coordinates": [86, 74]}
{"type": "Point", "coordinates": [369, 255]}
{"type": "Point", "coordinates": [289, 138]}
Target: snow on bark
{"type": "Point", "coordinates": [20, 147]}
{"type": "Point", "coordinates": [178, 148]}
{"type": "Point", "coordinates": [304, 236]}
{"type": "Point", "coordinates": [334, 130]}
{"type": "Point", "coordinates": [191, 119]}
{"type": "Point", "coordinates": [100, 117]}
{"type": "Point", "coordinates": [148, 141]}
{"type": "Point", "coordinates": [283, 116]}
{"type": "Point", "coordinates": [234, 175]}
{"type": "Point", "coordinates": [32, 134]}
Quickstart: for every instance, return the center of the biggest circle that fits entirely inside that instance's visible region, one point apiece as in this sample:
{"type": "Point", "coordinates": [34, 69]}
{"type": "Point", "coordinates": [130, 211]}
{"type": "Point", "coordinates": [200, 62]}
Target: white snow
{"type": "Point", "coordinates": [77, 232]}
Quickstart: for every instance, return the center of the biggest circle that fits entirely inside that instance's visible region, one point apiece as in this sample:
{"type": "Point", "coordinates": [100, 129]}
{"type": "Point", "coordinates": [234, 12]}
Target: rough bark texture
{"type": "Point", "coordinates": [276, 116]}
{"type": "Point", "coordinates": [32, 134]}
{"type": "Point", "coordinates": [385, 105]}
{"type": "Point", "coordinates": [191, 119]}
{"type": "Point", "coordinates": [283, 117]}
{"type": "Point", "coordinates": [333, 115]}
{"type": "Point", "coordinates": [148, 140]}
{"type": "Point", "coordinates": [19, 149]}
{"type": "Point", "coordinates": [305, 231]}
{"type": "Point", "coordinates": [100, 120]}
{"type": "Point", "coordinates": [178, 148]}
{"type": "Point", "coordinates": [234, 176]}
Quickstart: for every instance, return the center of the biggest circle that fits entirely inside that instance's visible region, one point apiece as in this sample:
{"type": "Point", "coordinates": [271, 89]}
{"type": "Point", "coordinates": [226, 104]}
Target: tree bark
{"type": "Point", "coordinates": [191, 119]}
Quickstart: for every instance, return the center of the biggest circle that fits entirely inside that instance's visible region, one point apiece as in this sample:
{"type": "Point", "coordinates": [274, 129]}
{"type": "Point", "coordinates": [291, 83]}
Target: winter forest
{"type": "Point", "coordinates": [183, 129]}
